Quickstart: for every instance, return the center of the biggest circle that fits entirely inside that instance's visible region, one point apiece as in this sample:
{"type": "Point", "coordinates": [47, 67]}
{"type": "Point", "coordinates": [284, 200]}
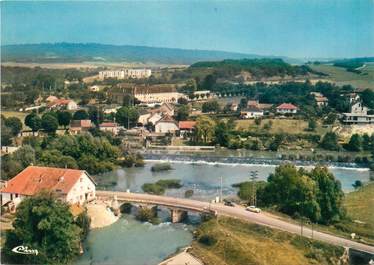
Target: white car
{"type": "Point", "coordinates": [253, 209]}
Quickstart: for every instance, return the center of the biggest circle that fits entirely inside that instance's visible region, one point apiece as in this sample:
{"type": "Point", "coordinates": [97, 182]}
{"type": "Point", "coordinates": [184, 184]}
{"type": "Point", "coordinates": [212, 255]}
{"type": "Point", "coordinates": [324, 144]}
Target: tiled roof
{"type": "Point", "coordinates": [34, 179]}
{"type": "Point", "coordinates": [81, 123]}
{"type": "Point", "coordinates": [287, 106]}
{"type": "Point", "coordinates": [108, 124]}
{"type": "Point", "coordinates": [187, 125]}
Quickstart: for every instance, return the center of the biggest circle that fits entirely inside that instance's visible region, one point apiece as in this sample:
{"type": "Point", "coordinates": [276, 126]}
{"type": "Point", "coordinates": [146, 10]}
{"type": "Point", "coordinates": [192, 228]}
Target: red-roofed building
{"type": "Point", "coordinates": [62, 103]}
{"type": "Point", "coordinates": [71, 185]}
{"type": "Point", "coordinates": [78, 126]}
{"type": "Point", "coordinates": [186, 128]}
{"type": "Point", "coordinates": [287, 108]}
{"type": "Point", "coordinates": [110, 127]}
{"type": "Point", "coordinates": [166, 125]}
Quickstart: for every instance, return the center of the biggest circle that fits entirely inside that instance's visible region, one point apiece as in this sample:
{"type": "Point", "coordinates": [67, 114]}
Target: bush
{"type": "Point", "coordinates": [207, 240]}
{"type": "Point", "coordinates": [161, 167]}
{"type": "Point", "coordinates": [160, 186]}
{"type": "Point", "coordinates": [188, 193]}
{"type": "Point", "coordinates": [147, 215]}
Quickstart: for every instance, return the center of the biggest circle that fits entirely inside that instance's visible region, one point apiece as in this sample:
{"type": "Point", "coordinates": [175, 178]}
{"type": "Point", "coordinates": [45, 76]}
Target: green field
{"type": "Point", "coordinates": [19, 115]}
{"type": "Point", "coordinates": [237, 242]}
{"type": "Point", "coordinates": [289, 126]}
{"type": "Point", "coordinates": [342, 77]}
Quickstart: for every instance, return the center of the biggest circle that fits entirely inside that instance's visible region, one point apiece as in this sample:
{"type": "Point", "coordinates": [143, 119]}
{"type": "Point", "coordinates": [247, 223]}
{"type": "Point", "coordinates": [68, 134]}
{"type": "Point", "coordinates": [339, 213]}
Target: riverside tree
{"type": "Point", "coordinates": [46, 225]}
{"type": "Point", "coordinates": [204, 129]}
{"type": "Point", "coordinates": [33, 121]}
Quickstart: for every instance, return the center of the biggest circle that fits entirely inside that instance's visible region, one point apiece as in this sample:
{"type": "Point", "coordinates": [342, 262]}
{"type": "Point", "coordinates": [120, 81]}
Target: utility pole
{"type": "Point", "coordinates": [253, 177]}
{"type": "Point", "coordinates": [220, 193]}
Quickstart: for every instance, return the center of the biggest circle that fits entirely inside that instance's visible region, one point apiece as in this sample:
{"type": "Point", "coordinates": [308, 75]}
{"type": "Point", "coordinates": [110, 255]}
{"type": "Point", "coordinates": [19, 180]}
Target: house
{"type": "Point", "coordinates": [321, 101]}
{"type": "Point", "coordinates": [111, 109]}
{"type": "Point", "coordinates": [358, 115]}
{"type": "Point", "coordinates": [110, 127]}
{"type": "Point", "coordinates": [186, 128]}
{"type": "Point", "coordinates": [234, 107]}
{"type": "Point", "coordinates": [125, 73]}
{"type": "Point", "coordinates": [251, 113]}
{"type": "Point", "coordinates": [286, 108]}
{"type": "Point", "coordinates": [63, 103]}
{"type": "Point", "coordinates": [96, 88]}
{"type": "Point", "coordinates": [70, 185]}
{"type": "Point", "coordinates": [78, 126]}
{"type": "Point", "coordinates": [166, 125]}
{"type": "Point", "coordinates": [51, 98]}
{"type": "Point", "coordinates": [258, 105]}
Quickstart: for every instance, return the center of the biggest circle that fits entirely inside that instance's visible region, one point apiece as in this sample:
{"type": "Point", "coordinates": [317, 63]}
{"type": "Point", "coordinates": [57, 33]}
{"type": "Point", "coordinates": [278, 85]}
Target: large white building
{"type": "Point", "coordinates": [125, 74]}
{"type": "Point", "coordinates": [70, 185]}
{"type": "Point", "coordinates": [358, 115]}
{"type": "Point", "coordinates": [157, 98]}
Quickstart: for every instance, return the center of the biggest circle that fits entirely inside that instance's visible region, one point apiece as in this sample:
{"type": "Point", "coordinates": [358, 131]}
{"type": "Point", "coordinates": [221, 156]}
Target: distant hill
{"type": "Point", "coordinates": [265, 67]}
{"type": "Point", "coordinates": [71, 52]}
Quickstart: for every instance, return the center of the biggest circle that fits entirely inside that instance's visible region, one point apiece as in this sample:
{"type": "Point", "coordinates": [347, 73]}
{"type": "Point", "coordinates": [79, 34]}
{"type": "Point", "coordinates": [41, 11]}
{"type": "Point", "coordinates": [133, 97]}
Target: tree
{"type": "Point", "coordinates": [210, 106]}
{"type": "Point", "coordinates": [243, 103]}
{"type": "Point", "coordinates": [357, 184]}
{"type": "Point", "coordinates": [182, 113]}
{"type": "Point", "coordinates": [80, 115]}
{"type": "Point", "coordinates": [329, 195]}
{"type": "Point", "coordinates": [354, 143]}
{"type": "Point", "coordinates": [128, 100]}
{"type": "Point", "coordinates": [49, 123]}
{"type": "Point", "coordinates": [44, 223]}
{"type": "Point", "coordinates": [222, 133]}
{"type": "Point", "coordinates": [6, 134]}
{"type": "Point", "coordinates": [204, 129]}
{"type": "Point", "coordinates": [330, 119]}
{"type": "Point", "coordinates": [127, 116]}
{"type": "Point", "coordinates": [33, 121]}
{"type": "Point", "coordinates": [182, 101]}
{"type": "Point", "coordinates": [14, 124]}
{"type": "Point", "coordinates": [277, 142]}
{"type": "Point", "coordinates": [312, 125]}
{"type": "Point", "coordinates": [64, 118]}
{"type": "Point", "coordinates": [330, 141]}
{"type": "Point", "coordinates": [95, 114]}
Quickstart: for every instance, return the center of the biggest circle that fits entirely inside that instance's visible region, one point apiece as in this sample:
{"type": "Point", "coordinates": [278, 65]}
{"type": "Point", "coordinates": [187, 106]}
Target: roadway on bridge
{"type": "Point", "coordinates": [236, 212]}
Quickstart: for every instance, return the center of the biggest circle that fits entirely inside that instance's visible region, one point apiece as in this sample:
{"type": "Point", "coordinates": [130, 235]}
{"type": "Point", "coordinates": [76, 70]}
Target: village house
{"type": "Point", "coordinates": [286, 108]}
{"type": "Point", "coordinates": [358, 115]}
{"type": "Point", "coordinates": [251, 113]}
{"type": "Point", "coordinates": [166, 125]}
{"type": "Point", "coordinates": [78, 126]}
{"type": "Point", "coordinates": [110, 127]}
{"type": "Point", "coordinates": [111, 109]}
{"type": "Point", "coordinates": [186, 128]}
{"type": "Point", "coordinates": [70, 185]}
{"type": "Point", "coordinates": [62, 103]}
{"type": "Point", "coordinates": [125, 73]}
{"type": "Point", "coordinates": [321, 101]}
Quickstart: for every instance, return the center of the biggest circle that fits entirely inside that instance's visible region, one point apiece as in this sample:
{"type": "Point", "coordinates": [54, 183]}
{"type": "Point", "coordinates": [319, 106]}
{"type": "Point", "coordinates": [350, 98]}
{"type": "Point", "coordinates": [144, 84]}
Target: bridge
{"type": "Point", "coordinates": [235, 212]}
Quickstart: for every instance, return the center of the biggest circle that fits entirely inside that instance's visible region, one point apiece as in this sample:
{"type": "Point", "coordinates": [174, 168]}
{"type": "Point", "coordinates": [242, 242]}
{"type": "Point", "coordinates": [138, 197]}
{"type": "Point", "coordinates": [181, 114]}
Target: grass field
{"type": "Point", "coordinates": [238, 242]}
{"type": "Point", "coordinates": [360, 205]}
{"type": "Point", "coordinates": [289, 126]}
{"type": "Point", "coordinates": [343, 77]}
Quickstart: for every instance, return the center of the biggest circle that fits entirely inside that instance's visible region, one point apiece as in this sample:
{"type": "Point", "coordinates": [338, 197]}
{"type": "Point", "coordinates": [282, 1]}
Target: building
{"type": "Point", "coordinates": [63, 103]}
{"type": "Point", "coordinates": [251, 113]}
{"type": "Point", "coordinates": [111, 127]}
{"type": "Point", "coordinates": [358, 115]}
{"type": "Point", "coordinates": [70, 185]}
{"type": "Point", "coordinates": [78, 126]}
{"type": "Point", "coordinates": [157, 98]}
{"type": "Point", "coordinates": [321, 101]}
{"type": "Point", "coordinates": [125, 74]}
{"type": "Point", "coordinates": [186, 128]}
{"type": "Point", "coordinates": [166, 125]}
{"type": "Point", "coordinates": [286, 108]}
{"type": "Point", "coordinates": [111, 109]}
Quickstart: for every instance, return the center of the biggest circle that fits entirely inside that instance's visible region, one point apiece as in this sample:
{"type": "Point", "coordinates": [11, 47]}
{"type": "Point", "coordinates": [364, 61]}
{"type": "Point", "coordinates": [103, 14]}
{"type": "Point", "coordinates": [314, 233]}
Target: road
{"type": "Point", "coordinates": [235, 212]}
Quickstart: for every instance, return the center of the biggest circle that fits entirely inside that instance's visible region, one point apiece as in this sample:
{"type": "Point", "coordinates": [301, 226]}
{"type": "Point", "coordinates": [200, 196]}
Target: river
{"type": "Point", "coordinates": [130, 242]}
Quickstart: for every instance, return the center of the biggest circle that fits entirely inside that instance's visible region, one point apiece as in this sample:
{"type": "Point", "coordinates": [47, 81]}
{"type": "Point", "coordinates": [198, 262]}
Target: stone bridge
{"type": "Point", "coordinates": [180, 205]}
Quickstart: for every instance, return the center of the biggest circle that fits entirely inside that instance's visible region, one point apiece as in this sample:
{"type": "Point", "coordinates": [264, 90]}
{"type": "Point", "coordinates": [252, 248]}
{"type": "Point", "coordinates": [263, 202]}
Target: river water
{"type": "Point", "coordinates": [130, 242]}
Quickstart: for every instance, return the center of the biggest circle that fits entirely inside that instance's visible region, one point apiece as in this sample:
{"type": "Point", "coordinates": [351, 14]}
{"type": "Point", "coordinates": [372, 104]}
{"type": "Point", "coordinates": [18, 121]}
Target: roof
{"type": "Point", "coordinates": [108, 124]}
{"type": "Point", "coordinates": [252, 109]}
{"type": "Point", "coordinates": [187, 125]}
{"type": "Point", "coordinates": [167, 118]}
{"type": "Point", "coordinates": [34, 179]}
{"type": "Point", "coordinates": [81, 123]}
{"type": "Point", "coordinates": [287, 106]}
{"type": "Point", "coordinates": [321, 99]}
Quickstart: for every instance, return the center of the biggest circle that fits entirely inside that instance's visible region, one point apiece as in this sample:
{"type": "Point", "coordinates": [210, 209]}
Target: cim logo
{"type": "Point", "coordinates": [25, 250]}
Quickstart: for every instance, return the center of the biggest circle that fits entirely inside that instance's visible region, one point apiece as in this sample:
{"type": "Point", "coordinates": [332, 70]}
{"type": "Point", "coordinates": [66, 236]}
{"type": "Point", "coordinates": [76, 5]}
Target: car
{"type": "Point", "coordinates": [253, 209]}
{"type": "Point", "coordinates": [229, 203]}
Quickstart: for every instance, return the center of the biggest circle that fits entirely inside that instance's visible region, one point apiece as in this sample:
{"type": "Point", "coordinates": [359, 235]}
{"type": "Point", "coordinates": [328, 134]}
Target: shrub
{"type": "Point", "coordinates": [207, 240]}
{"type": "Point", "coordinates": [161, 167]}
{"type": "Point", "coordinates": [188, 193]}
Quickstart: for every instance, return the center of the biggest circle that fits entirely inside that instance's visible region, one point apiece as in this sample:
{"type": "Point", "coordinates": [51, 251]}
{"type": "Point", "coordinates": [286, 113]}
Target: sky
{"type": "Point", "coordinates": [294, 28]}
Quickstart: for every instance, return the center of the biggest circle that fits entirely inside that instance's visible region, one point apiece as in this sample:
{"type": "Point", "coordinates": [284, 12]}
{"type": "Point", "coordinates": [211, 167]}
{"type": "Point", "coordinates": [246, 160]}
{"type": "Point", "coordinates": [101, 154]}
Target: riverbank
{"type": "Point", "coordinates": [100, 214]}
{"type": "Point", "coordinates": [183, 257]}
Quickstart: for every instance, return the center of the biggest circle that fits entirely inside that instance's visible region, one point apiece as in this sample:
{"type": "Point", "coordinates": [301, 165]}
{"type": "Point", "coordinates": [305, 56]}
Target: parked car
{"type": "Point", "coordinates": [253, 209]}
{"type": "Point", "coordinates": [229, 203]}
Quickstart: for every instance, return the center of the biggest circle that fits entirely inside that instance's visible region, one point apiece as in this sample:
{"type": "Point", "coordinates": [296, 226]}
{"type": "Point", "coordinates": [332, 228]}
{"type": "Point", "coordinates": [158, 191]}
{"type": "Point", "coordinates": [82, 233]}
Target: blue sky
{"type": "Point", "coordinates": [294, 28]}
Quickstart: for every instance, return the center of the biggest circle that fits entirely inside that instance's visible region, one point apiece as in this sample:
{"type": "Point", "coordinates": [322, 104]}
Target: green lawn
{"type": "Point", "coordinates": [19, 115]}
{"type": "Point", "coordinates": [289, 126]}
{"type": "Point", "coordinates": [237, 242]}
{"type": "Point", "coordinates": [343, 77]}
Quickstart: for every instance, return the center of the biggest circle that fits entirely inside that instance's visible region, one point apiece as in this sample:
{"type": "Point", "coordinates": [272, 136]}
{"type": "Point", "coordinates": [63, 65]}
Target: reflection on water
{"type": "Point", "coordinates": [204, 178]}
